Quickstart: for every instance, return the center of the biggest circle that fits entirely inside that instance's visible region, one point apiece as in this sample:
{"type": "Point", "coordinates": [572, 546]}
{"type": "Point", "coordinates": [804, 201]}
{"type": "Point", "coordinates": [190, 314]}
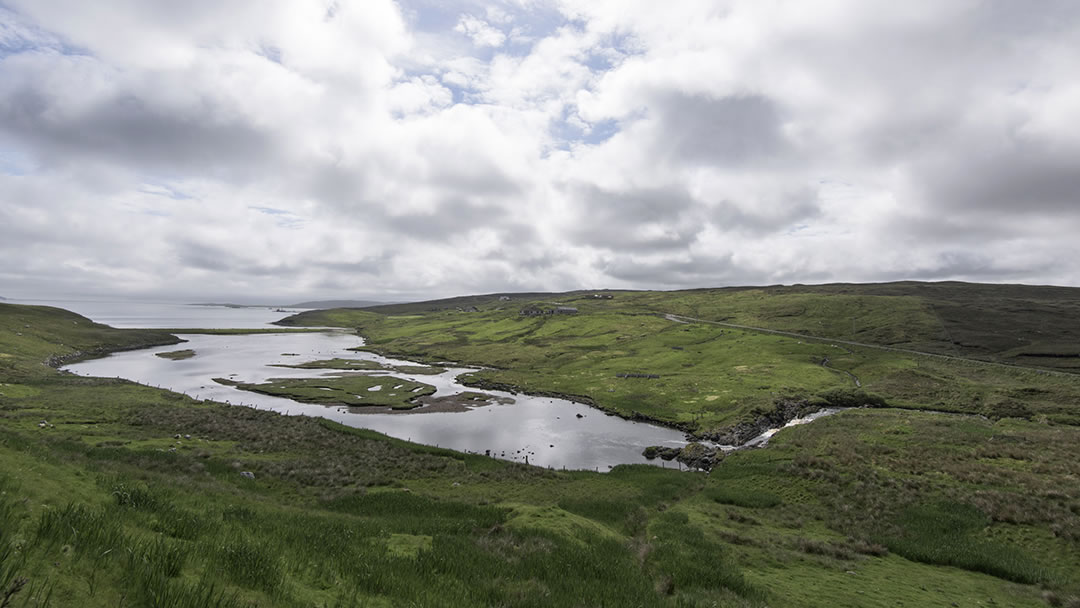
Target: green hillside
{"type": "Point", "coordinates": [112, 493]}
{"type": "Point", "coordinates": [1036, 326]}
{"type": "Point", "coordinates": [710, 376]}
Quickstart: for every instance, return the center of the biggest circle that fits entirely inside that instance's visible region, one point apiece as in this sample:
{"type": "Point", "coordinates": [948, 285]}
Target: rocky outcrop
{"type": "Point", "coordinates": [785, 411]}
{"type": "Point", "coordinates": [698, 456]}
{"type": "Point", "coordinates": [694, 455]}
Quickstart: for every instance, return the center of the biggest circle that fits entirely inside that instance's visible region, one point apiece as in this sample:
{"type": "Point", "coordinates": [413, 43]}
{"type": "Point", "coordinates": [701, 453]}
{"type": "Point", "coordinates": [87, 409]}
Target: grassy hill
{"type": "Point", "coordinates": [711, 376]}
{"type": "Point", "coordinates": [1037, 326]}
{"type": "Point", "coordinates": [112, 493]}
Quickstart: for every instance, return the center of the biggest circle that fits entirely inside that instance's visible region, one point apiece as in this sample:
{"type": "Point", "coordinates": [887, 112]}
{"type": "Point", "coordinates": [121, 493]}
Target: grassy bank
{"type": "Point", "coordinates": [113, 494]}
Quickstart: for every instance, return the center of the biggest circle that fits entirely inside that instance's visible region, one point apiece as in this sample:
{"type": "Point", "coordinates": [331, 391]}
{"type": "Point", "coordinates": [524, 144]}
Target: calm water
{"type": "Point", "coordinates": [157, 314]}
{"type": "Point", "coordinates": [545, 430]}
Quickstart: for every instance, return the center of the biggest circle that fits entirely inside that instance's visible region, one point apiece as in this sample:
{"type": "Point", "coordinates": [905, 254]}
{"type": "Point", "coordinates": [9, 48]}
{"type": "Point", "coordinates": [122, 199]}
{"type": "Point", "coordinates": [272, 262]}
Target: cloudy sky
{"type": "Point", "coordinates": [266, 149]}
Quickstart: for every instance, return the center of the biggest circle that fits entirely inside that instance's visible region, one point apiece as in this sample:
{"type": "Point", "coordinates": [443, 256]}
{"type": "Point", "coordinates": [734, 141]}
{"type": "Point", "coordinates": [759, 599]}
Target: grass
{"type": "Point", "coordinates": [355, 391]}
{"type": "Point", "coordinates": [948, 533]}
{"type": "Point", "coordinates": [743, 497]}
{"type": "Point", "coordinates": [104, 506]}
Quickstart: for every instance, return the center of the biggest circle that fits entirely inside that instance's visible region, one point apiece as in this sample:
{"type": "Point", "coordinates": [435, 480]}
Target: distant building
{"type": "Point", "coordinates": [566, 310]}
{"type": "Point", "coordinates": [532, 311]}
{"type": "Point", "coordinates": [504, 298]}
{"type": "Point", "coordinates": [602, 296]}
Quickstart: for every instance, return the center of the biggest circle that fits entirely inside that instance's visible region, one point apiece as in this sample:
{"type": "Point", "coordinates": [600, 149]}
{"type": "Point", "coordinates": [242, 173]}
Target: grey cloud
{"type": "Point", "coordinates": [216, 258]}
{"type": "Point", "coordinates": [1005, 18]}
{"type": "Point", "coordinates": [371, 265]}
{"type": "Point", "coordinates": [794, 206]}
{"type": "Point", "coordinates": [703, 270]}
{"type": "Point", "coordinates": [128, 129]}
{"type": "Point", "coordinates": [611, 219]}
{"type": "Point", "coordinates": [673, 220]}
{"type": "Point", "coordinates": [201, 256]}
{"type": "Point", "coordinates": [450, 217]}
{"type": "Point", "coordinates": [729, 131]}
{"type": "Point", "coordinates": [698, 270]}
{"type": "Point", "coordinates": [477, 181]}
{"type": "Point", "coordinates": [1026, 178]}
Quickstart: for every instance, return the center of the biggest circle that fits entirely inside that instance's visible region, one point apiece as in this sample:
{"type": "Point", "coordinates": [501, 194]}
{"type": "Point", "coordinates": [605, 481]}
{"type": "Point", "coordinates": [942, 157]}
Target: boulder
{"type": "Point", "coordinates": [698, 456]}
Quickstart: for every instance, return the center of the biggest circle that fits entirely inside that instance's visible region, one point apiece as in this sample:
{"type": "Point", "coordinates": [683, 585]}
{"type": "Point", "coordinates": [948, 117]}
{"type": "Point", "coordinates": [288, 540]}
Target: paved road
{"type": "Point", "coordinates": [684, 319]}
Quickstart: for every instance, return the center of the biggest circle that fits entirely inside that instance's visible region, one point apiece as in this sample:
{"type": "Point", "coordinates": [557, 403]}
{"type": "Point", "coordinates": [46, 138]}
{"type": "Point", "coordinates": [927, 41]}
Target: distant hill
{"type": "Point", "coordinates": [230, 305]}
{"type": "Point", "coordinates": [1031, 325]}
{"type": "Point", "coordinates": [490, 300]}
{"type": "Point", "coordinates": [316, 304]}
{"type": "Point", "coordinates": [322, 304]}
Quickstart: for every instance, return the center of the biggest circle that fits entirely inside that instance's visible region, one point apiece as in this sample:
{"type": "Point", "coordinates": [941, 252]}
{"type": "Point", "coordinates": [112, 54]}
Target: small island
{"type": "Point", "coordinates": [386, 391]}
{"type": "Point", "coordinates": [177, 355]}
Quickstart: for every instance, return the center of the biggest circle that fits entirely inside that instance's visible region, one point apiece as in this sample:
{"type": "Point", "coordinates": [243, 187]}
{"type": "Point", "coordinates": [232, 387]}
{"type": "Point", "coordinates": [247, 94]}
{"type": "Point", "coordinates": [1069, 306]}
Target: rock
{"type": "Point", "coordinates": [580, 415]}
{"type": "Point", "coordinates": [669, 453]}
{"type": "Point", "coordinates": [247, 474]}
{"type": "Point", "coordinates": [187, 436]}
{"type": "Point", "coordinates": [694, 455]}
{"type": "Point", "coordinates": [785, 411]}
{"type": "Point", "coordinates": [698, 456]}
{"type": "Point", "coordinates": [176, 436]}
{"type": "Point", "coordinates": [455, 484]}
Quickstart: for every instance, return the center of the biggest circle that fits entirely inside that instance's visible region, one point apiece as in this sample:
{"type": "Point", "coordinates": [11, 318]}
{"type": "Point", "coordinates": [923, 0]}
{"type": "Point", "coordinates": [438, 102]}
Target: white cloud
{"type": "Point", "coordinates": [480, 31]}
{"type": "Point", "coordinates": [532, 145]}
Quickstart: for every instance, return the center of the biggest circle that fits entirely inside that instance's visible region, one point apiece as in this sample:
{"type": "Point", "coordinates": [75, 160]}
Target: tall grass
{"type": "Point", "coordinates": [947, 533]}
{"type": "Point", "coordinates": [84, 529]}
{"type": "Point", "coordinates": [742, 497]}
{"type": "Point", "coordinates": [11, 563]}
{"type": "Point", "coordinates": [249, 563]}
{"type": "Point", "coordinates": [683, 558]}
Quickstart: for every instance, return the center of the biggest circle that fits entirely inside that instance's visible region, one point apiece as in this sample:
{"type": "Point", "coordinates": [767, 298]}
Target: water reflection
{"type": "Point", "coordinates": [130, 313]}
{"type": "Point", "coordinates": [545, 431]}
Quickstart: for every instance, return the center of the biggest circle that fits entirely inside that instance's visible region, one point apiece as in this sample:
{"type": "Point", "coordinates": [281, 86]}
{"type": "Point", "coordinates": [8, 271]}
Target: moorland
{"type": "Point", "coordinates": [950, 479]}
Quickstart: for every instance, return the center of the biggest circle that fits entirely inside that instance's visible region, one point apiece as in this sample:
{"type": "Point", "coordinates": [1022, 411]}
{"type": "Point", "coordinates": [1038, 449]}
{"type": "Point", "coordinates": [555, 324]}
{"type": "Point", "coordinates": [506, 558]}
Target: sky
{"type": "Point", "coordinates": [284, 149]}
